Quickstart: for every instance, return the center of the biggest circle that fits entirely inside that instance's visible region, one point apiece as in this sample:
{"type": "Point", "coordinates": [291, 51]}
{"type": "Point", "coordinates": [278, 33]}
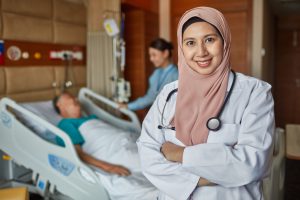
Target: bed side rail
{"type": "Point", "coordinates": [57, 165]}
{"type": "Point", "coordinates": [92, 108]}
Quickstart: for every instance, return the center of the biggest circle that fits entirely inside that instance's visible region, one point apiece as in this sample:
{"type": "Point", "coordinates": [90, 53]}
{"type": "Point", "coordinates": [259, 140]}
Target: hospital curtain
{"type": "Point", "coordinates": [99, 63]}
{"type": "Point", "coordinates": [100, 45]}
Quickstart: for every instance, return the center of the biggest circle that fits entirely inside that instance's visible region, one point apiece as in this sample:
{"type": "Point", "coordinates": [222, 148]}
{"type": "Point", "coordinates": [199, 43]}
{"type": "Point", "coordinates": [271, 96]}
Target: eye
{"type": "Point", "coordinates": [209, 40]}
{"type": "Point", "coordinates": [189, 43]}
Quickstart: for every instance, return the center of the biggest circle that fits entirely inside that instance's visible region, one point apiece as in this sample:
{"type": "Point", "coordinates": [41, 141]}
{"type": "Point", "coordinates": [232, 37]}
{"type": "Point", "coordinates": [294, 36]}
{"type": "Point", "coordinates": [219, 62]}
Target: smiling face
{"type": "Point", "coordinates": [202, 47]}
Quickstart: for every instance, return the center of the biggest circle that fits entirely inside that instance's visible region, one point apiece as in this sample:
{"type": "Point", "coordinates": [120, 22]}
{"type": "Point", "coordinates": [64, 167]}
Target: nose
{"type": "Point", "coordinates": [201, 50]}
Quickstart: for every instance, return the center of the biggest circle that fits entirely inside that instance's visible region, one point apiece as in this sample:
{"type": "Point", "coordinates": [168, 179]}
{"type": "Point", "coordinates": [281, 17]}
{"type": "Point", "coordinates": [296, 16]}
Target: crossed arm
{"type": "Point", "coordinates": [174, 153]}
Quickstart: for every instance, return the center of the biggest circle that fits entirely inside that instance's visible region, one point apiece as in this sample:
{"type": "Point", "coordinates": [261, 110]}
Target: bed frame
{"type": "Point", "coordinates": [57, 172]}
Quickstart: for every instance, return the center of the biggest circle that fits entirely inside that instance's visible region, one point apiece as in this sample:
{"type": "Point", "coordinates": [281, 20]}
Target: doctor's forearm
{"type": "Point", "coordinates": [172, 152]}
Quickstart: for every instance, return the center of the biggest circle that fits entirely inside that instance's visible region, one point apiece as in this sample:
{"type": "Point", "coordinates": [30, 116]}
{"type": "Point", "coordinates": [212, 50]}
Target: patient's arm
{"type": "Point", "coordinates": [110, 168]}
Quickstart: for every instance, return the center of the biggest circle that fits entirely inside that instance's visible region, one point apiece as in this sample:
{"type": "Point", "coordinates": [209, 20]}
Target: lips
{"type": "Point", "coordinates": [204, 63]}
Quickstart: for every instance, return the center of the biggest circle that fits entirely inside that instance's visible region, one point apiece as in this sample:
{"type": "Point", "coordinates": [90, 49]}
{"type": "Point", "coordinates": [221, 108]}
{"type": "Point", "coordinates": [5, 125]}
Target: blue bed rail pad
{"type": "Point", "coordinates": [62, 165]}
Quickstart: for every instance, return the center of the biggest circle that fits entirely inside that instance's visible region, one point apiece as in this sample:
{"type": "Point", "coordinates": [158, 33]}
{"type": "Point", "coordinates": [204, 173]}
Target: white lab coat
{"type": "Point", "coordinates": [236, 158]}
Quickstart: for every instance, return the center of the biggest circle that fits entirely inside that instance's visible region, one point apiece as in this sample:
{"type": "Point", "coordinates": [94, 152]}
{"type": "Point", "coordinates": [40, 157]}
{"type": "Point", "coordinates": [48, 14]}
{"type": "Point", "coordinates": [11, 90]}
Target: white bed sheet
{"type": "Point", "coordinates": [117, 146]}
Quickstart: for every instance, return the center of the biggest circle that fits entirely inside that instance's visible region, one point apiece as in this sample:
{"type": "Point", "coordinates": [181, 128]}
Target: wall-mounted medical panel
{"type": "Point", "coordinates": [20, 53]}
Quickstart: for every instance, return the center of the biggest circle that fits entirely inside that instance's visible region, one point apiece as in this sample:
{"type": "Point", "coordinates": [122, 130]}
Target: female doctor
{"type": "Point", "coordinates": [209, 135]}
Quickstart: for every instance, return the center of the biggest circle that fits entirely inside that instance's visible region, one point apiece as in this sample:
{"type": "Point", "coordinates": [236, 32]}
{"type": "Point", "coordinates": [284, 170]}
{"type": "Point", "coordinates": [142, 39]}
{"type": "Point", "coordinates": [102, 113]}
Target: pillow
{"type": "Point", "coordinates": [46, 111]}
{"type": "Point", "coordinates": [43, 109]}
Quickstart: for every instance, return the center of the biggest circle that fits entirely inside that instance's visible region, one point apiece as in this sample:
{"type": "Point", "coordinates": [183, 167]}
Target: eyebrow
{"type": "Point", "coordinates": [210, 34]}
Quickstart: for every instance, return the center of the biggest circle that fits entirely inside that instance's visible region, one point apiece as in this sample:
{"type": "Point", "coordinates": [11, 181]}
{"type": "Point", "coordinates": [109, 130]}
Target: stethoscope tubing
{"type": "Point", "coordinates": [216, 118]}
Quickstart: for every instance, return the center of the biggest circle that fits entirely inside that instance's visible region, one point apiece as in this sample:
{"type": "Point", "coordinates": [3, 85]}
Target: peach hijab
{"type": "Point", "coordinates": [200, 97]}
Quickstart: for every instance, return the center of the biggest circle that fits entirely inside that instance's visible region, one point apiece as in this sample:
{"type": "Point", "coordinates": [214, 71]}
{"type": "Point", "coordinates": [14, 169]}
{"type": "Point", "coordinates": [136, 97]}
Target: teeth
{"type": "Point", "coordinates": [203, 63]}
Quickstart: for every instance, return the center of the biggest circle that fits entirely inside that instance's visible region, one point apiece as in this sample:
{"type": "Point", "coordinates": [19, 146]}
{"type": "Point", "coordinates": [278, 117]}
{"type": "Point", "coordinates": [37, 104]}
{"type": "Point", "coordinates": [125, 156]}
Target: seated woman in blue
{"type": "Point", "coordinates": [109, 148]}
{"type": "Point", "coordinates": [160, 53]}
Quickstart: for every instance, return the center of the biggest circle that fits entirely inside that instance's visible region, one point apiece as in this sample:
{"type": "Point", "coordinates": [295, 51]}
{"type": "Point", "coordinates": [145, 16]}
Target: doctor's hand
{"type": "Point", "coordinates": [172, 152]}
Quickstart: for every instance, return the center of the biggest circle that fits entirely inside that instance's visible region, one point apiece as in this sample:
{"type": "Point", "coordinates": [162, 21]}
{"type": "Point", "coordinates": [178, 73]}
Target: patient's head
{"type": "Point", "coordinates": [67, 106]}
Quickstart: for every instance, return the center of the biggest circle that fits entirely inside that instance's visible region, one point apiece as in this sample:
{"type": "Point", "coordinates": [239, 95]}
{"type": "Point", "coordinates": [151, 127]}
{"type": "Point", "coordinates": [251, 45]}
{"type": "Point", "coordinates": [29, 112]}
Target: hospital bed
{"type": "Point", "coordinates": [56, 172]}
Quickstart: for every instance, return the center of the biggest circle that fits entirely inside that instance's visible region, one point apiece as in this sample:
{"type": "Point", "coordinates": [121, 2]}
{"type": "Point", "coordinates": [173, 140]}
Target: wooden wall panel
{"type": "Point", "coordinates": [64, 33]}
{"type": "Point", "coordinates": [37, 8]}
{"type": "Point", "coordinates": [287, 71]}
{"type": "Point", "coordinates": [43, 21]}
{"type": "Point", "coordinates": [239, 16]}
{"type": "Point", "coordinates": [66, 11]}
{"type": "Point", "coordinates": [152, 32]}
{"type": "Point", "coordinates": [141, 27]}
{"type": "Point", "coordinates": [178, 7]}
{"type": "Point", "coordinates": [19, 27]}
{"type": "Point", "coordinates": [150, 6]}
{"type": "Point", "coordinates": [135, 57]}
{"type": "Point", "coordinates": [238, 26]}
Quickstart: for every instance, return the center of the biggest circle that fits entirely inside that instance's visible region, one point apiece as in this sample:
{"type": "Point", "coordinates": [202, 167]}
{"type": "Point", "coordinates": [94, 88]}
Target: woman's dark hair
{"type": "Point", "coordinates": [162, 45]}
{"type": "Point", "coordinates": [194, 20]}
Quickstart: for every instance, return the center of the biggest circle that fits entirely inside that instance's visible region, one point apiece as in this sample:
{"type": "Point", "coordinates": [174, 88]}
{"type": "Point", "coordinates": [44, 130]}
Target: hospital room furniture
{"type": "Point", "coordinates": [292, 161]}
{"type": "Point", "coordinates": [293, 141]}
{"type": "Point", "coordinates": [57, 172]}
{"type": "Point", "coordinates": [14, 194]}
{"type": "Point", "coordinates": [273, 186]}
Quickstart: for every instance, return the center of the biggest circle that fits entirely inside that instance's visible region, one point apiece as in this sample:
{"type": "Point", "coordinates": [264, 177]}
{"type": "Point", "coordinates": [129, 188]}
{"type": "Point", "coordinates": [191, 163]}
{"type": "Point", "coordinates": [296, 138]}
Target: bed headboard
{"type": "Point", "coordinates": [38, 83]}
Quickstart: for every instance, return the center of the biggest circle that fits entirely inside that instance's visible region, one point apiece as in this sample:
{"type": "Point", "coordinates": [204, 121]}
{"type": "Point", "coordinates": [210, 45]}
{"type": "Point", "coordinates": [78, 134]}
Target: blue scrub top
{"type": "Point", "coordinates": [71, 127]}
{"type": "Point", "coordinates": [158, 79]}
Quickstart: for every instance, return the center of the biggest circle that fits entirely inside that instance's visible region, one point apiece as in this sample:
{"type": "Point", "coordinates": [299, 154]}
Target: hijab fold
{"type": "Point", "coordinates": [200, 97]}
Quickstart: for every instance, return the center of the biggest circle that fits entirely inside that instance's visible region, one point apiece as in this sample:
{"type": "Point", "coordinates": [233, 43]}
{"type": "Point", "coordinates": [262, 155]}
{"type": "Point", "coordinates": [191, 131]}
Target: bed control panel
{"type": "Point", "coordinates": [62, 165]}
{"type": "Point", "coordinates": [5, 119]}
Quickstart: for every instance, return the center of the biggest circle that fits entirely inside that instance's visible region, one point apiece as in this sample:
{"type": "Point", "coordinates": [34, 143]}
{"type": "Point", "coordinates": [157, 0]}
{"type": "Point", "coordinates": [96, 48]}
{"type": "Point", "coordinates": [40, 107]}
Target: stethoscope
{"type": "Point", "coordinates": [213, 123]}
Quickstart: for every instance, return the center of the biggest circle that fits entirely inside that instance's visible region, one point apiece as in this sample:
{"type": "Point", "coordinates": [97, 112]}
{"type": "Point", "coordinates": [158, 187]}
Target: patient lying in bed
{"type": "Point", "coordinates": [111, 149]}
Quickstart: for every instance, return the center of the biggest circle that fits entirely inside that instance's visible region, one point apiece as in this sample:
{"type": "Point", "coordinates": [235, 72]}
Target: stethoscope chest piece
{"type": "Point", "coordinates": [213, 124]}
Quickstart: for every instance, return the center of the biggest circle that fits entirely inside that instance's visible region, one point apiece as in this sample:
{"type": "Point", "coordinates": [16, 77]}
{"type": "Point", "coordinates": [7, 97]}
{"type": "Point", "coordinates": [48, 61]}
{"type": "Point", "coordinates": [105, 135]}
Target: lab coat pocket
{"type": "Point", "coordinates": [228, 134]}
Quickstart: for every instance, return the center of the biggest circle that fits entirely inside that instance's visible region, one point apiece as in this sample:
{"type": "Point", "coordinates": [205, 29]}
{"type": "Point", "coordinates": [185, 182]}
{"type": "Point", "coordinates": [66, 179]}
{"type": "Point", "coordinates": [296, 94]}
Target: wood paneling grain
{"type": "Point", "coordinates": [147, 5]}
{"type": "Point", "coordinates": [141, 27]}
